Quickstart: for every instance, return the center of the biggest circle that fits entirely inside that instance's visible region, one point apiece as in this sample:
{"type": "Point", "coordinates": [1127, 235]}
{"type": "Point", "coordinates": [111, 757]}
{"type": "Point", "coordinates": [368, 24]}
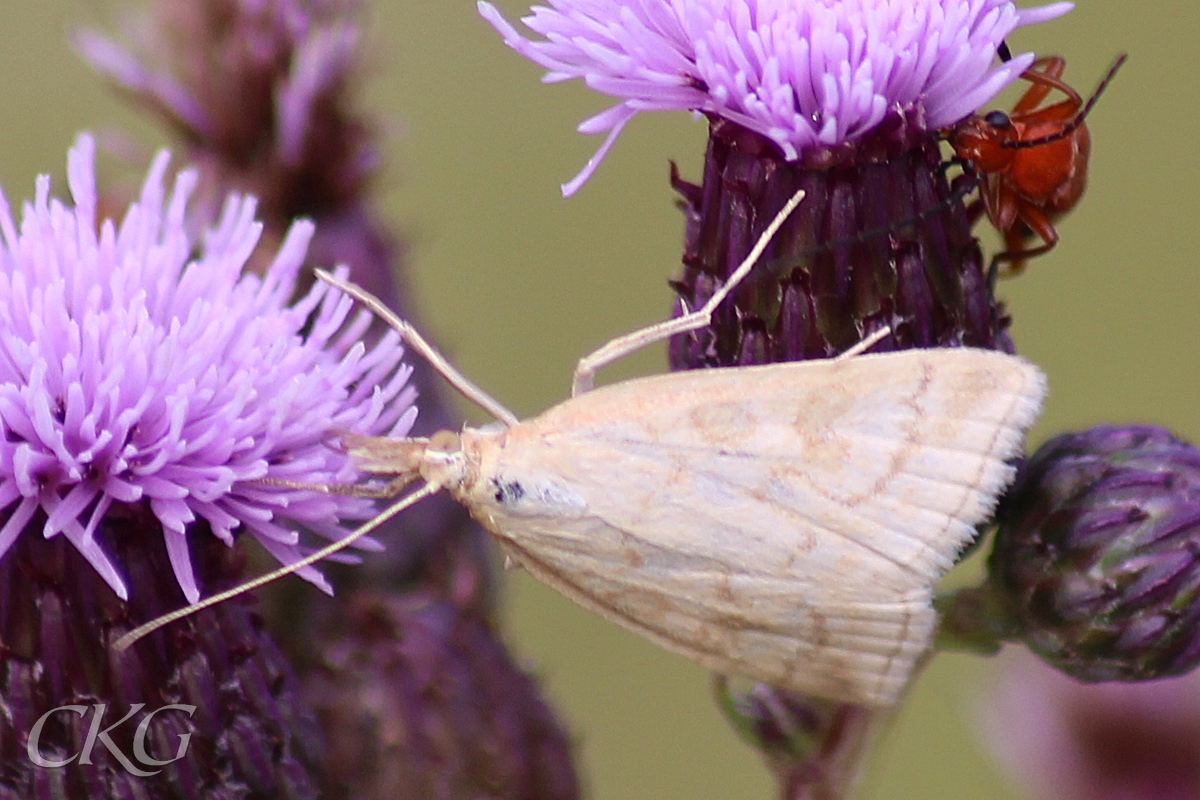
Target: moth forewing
{"type": "Point", "coordinates": [785, 522]}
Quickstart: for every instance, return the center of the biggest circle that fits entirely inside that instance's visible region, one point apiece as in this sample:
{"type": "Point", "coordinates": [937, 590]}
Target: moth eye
{"type": "Point", "coordinates": [508, 492]}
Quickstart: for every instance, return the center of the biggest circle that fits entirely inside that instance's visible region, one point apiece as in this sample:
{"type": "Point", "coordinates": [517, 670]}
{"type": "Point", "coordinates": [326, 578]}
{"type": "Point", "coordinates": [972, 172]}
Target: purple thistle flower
{"type": "Point", "coordinates": [139, 366]}
{"type": "Point", "coordinates": [262, 99]}
{"type": "Point", "coordinates": [263, 96]}
{"type": "Point", "coordinates": [259, 92]}
{"type": "Point", "coordinates": [846, 101]}
{"type": "Point", "coordinates": [800, 74]}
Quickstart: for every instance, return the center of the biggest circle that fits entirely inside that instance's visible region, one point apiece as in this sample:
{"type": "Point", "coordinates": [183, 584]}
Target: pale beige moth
{"type": "Point", "coordinates": [786, 522]}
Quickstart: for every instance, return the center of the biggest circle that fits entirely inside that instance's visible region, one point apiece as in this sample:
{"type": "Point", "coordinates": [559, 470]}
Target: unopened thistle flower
{"type": "Point", "coordinates": [150, 391]}
{"type": "Point", "coordinates": [792, 729]}
{"type": "Point", "coordinates": [472, 723]}
{"type": "Point", "coordinates": [1096, 565]}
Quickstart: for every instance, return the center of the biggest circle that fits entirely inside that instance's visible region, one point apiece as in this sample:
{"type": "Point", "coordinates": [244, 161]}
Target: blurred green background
{"type": "Point", "coordinates": [516, 283]}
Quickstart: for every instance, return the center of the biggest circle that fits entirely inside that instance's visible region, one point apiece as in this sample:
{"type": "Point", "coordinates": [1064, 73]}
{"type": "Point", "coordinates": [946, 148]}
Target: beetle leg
{"type": "Point", "coordinates": [975, 210]}
{"type": "Point", "coordinates": [1052, 66]}
{"type": "Point", "coordinates": [1001, 202]}
{"type": "Point", "coordinates": [1042, 82]}
{"type": "Point", "coordinates": [1033, 221]}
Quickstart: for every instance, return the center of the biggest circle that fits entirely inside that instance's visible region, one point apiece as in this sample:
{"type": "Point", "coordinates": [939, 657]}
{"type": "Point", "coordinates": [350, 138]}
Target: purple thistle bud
{"type": "Point", "coordinates": [421, 702]}
{"type": "Point", "coordinates": [801, 75]}
{"type": "Point", "coordinates": [1096, 565]}
{"type": "Point", "coordinates": [806, 741]}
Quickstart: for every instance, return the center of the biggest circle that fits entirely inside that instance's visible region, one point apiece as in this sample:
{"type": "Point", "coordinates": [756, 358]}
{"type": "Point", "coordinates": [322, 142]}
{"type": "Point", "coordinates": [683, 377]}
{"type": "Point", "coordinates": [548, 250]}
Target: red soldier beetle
{"type": "Point", "coordinates": [1031, 163]}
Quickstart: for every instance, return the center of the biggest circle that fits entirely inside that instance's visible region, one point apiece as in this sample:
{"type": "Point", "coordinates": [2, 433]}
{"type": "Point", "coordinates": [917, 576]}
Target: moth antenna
{"type": "Point", "coordinates": [585, 370]}
{"type": "Point", "coordinates": [418, 342]}
{"type": "Point", "coordinates": [1078, 119]}
{"type": "Point", "coordinates": [126, 641]}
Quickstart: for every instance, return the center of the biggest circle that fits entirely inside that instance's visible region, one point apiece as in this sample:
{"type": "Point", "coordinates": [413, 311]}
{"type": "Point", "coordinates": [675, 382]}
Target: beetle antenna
{"type": "Point", "coordinates": [1077, 120]}
{"type": "Point", "coordinates": [960, 188]}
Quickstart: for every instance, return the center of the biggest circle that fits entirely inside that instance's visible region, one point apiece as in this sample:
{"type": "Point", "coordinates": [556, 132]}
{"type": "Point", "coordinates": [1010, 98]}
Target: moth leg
{"type": "Point", "coordinates": [132, 636]}
{"type": "Point", "coordinates": [418, 342]}
{"type": "Point", "coordinates": [864, 344]}
{"type": "Point", "coordinates": [585, 370]}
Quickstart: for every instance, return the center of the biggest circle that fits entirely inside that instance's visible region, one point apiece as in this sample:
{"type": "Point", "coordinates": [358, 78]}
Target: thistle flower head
{"type": "Point", "coordinates": [140, 366]}
{"type": "Point", "coordinates": [1097, 557]}
{"type": "Point", "coordinates": [260, 94]}
{"type": "Point", "coordinates": [802, 74]}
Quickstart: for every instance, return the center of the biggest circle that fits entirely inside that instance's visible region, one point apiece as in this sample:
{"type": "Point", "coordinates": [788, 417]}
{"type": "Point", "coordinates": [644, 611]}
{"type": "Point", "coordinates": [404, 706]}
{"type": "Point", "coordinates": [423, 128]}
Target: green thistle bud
{"type": "Point", "coordinates": [1095, 562]}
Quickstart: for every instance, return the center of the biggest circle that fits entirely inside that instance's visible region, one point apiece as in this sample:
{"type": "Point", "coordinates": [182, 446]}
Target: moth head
{"type": "Point", "coordinates": [442, 461]}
